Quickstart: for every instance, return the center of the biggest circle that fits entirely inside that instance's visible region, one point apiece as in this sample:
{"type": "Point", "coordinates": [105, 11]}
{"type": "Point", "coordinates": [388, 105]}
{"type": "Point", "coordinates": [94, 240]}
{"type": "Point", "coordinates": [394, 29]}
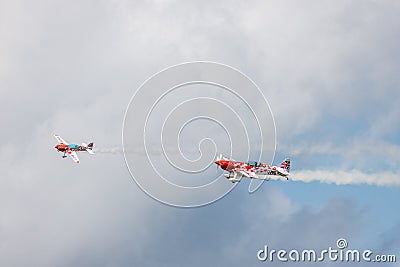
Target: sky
{"type": "Point", "coordinates": [328, 70]}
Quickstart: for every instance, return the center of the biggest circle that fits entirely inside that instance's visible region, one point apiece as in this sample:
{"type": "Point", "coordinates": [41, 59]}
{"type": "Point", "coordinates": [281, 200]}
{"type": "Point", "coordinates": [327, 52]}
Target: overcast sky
{"type": "Point", "coordinates": [329, 70]}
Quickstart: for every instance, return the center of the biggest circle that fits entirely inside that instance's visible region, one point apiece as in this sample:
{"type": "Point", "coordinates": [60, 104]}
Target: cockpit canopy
{"type": "Point", "coordinates": [253, 163]}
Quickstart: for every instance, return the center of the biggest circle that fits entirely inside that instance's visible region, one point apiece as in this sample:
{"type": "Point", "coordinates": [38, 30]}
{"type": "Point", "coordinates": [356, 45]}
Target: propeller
{"type": "Point", "coordinates": [218, 159]}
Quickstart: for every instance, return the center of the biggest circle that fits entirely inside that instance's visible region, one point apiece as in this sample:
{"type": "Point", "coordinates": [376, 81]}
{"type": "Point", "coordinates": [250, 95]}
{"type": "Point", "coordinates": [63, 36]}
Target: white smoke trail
{"type": "Point", "coordinates": [355, 157]}
{"type": "Point", "coordinates": [341, 177]}
{"type": "Point", "coordinates": [114, 150]}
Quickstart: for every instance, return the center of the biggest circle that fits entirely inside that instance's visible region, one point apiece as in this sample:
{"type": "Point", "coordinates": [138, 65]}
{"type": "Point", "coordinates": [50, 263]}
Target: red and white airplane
{"type": "Point", "coordinates": [71, 149]}
{"type": "Point", "coordinates": [253, 170]}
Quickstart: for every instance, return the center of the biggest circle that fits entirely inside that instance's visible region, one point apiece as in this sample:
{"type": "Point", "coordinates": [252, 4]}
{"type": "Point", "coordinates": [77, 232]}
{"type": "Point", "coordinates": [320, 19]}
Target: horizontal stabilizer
{"type": "Point", "coordinates": [88, 148]}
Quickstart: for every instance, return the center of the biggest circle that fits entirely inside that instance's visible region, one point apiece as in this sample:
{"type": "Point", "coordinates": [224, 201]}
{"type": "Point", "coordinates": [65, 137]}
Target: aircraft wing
{"type": "Point", "coordinates": [249, 174]}
{"type": "Point", "coordinates": [74, 156]}
{"type": "Point", "coordinates": [59, 139]}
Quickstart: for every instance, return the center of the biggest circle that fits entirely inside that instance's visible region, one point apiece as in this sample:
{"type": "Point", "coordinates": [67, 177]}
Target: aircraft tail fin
{"type": "Point", "coordinates": [88, 148]}
{"type": "Point", "coordinates": [286, 165]}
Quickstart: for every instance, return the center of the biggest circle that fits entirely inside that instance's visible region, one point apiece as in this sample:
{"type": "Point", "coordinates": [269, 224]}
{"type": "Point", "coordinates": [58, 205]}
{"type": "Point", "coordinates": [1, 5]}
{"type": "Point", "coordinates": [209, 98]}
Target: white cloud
{"type": "Point", "coordinates": [72, 68]}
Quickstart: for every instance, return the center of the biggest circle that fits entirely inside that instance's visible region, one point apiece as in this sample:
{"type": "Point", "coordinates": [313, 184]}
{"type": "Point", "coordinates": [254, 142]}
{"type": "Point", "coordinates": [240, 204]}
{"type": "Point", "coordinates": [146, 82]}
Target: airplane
{"type": "Point", "coordinates": [253, 170]}
{"type": "Point", "coordinates": [71, 149]}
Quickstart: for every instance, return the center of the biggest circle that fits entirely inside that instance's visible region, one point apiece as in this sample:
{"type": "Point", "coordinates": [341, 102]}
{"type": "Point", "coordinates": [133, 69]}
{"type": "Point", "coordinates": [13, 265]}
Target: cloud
{"type": "Point", "coordinates": [293, 227]}
{"type": "Point", "coordinates": [353, 149]}
{"type": "Point", "coordinates": [71, 69]}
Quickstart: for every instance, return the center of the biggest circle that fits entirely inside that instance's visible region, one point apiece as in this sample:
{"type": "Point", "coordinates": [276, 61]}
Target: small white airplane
{"type": "Point", "coordinates": [71, 149]}
{"type": "Point", "coordinates": [253, 170]}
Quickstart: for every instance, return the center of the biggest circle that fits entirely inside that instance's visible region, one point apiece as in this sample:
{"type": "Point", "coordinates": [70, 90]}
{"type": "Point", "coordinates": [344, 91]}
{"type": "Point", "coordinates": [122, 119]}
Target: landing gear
{"type": "Point", "coordinates": [64, 156]}
{"type": "Point", "coordinates": [228, 175]}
